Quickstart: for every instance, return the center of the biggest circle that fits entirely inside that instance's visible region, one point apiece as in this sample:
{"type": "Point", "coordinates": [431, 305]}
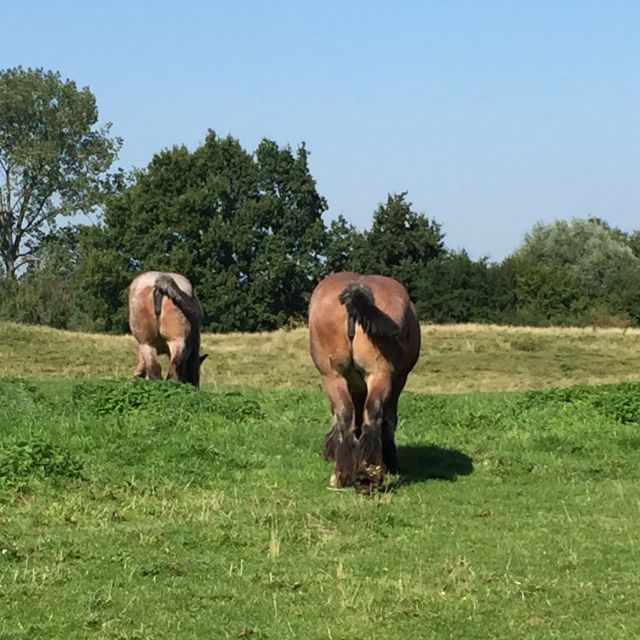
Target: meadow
{"type": "Point", "coordinates": [454, 358]}
{"type": "Point", "coordinates": [131, 509]}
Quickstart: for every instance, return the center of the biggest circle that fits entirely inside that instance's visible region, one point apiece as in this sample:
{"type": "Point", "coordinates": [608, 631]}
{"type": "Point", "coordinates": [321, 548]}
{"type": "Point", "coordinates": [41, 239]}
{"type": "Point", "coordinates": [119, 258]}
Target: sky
{"type": "Point", "coordinates": [492, 115]}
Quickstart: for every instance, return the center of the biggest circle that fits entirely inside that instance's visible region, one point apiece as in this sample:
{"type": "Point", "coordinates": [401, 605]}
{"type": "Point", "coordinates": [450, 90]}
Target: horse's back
{"type": "Point", "coordinates": [147, 280]}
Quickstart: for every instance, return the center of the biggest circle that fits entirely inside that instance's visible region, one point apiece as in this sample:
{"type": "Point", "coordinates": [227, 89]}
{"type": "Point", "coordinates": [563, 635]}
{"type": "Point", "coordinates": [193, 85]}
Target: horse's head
{"type": "Point", "coordinates": [193, 366]}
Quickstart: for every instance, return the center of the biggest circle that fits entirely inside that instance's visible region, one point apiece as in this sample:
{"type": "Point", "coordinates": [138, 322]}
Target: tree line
{"type": "Point", "coordinates": [248, 229]}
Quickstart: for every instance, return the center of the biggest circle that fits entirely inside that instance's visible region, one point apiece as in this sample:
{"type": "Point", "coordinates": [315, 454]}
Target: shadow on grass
{"type": "Point", "coordinates": [419, 463]}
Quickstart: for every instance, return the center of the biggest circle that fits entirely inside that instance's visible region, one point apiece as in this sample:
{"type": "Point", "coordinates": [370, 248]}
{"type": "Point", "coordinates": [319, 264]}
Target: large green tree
{"type": "Point", "coordinates": [346, 248]}
{"type": "Point", "coordinates": [54, 159]}
{"type": "Point", "coordinates": [400, 242]}
{"type": "Point", "coordinates": [577, 271]}
{"type": "Point", "coordinates": [246, 228]}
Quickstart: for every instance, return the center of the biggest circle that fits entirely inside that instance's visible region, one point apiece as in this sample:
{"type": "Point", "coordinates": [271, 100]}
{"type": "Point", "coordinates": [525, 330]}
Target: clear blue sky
{"type": "Point", "coordinates": [492, 115]}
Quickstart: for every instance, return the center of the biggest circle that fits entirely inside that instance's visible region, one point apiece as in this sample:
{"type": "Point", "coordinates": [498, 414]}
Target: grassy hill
{"type": "Point", "coordinates": [455, 358]}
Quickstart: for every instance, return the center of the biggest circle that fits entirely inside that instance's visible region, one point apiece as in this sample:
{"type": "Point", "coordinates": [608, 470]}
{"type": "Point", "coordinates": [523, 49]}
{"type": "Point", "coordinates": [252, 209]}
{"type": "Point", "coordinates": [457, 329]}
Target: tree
{"type": "Point", "coordinates": [398, 233]}
{"type": "Point", "coordinates": [400, 242]}
{"type": "Point", "coordinates": [345, 249]}
{"type": "Point", "coordinates": [633, 240]}
{"type": "Point", "coordinates": [577, 271]}
{"type": "Point", "coordinates": [455, 288]}
{"type": "Point", "coordinates": [53, 159]}
{"type": "Point", "coordinates": [288, 235]}
{"type": "Point", "coordinates": [245, 228]}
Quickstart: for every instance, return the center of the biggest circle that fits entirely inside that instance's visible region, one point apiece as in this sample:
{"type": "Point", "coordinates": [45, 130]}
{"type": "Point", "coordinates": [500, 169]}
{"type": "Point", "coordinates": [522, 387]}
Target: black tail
{"type": "Point", "coordinates": [166, 286]}
{"type": "Point", "coordinates": [357, 297]}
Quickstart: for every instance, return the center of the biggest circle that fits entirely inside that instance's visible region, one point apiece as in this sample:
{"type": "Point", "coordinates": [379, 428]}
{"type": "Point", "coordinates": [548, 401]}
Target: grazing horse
{"type": "Point", "coordinates": [165, 317]}
{"type": "Point", "coordinates": [364, 339]}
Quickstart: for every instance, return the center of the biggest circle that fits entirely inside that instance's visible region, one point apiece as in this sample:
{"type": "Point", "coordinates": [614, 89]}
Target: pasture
{"type": "Point", "coordinates": [454, 358]}
{"type": "Point", "coordinates": [131, 509]}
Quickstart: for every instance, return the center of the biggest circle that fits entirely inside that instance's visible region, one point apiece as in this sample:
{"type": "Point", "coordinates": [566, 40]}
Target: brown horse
{"type": "Point", "coordinates": [364, 339]}
{"type": "Point", "coordinates": [165, 317]}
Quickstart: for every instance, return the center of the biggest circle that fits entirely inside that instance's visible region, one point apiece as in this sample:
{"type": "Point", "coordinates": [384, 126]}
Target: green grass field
{"type": "Point", "coordinates": [141, 510]}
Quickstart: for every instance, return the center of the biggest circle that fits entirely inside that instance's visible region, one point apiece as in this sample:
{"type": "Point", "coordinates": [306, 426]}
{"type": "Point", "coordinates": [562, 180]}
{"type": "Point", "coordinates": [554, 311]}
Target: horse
{"type": "Point", "coordinates": [165, 317]}
{"type": "Point", "coordinates": [364, 338]}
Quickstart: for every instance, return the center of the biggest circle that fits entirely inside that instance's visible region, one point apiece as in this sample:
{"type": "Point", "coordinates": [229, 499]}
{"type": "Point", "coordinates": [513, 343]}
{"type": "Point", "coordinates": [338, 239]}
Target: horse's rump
{"type": "Point", "coordinates": [359, 302]}
{"type": "Point", "coordinates": [165, 285]}
{"type": "Point", "coordinates": [378, 304]}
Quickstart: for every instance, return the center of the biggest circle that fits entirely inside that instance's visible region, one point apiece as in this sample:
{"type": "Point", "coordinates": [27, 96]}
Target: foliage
{"type": "Point", "coordinates": [570, 272]}
{"type": "Point", "coordinates": [400, 242]}
{"type": "Point", "coordinates": [18, 392]}
{"type": "Point", "coordinates": [37, 298]}
{"type": "Point", "coordinates": [115, 396]}
{"type": "Point", "coordinates": [108, 397]}
{"type": "Point", "coordinates": [346, 247]}
{"type": "Point", "coordinates": [398, 234]}
{"type": "Point", "coordinates": [247, 229]}
{"type": "Point", "coordinates": [456, 288]}
{"type": "Point", "coordinates": [53, 159]}
{"type": "Point", "coordinates": [23, 459]}
{"type": "Point", "coordinates": [621, 402]}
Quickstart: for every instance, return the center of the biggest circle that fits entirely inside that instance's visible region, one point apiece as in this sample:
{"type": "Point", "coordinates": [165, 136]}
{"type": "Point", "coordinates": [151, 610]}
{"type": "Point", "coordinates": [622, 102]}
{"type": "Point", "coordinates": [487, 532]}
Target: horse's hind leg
{"type": "Point", "coordinates": [148, 363]}
{"type": "Point", "coordinates": [389, 451]}
{"type": "Point", "coordinates": [141, 368]}
{"type": "Point", "coordinates": [340, 443]}
{"type": "Point", "coordinates": [176, 355]}
{"type": "Point", "coordinates": [370, 462]}
{"type": "Point", "coordinates": [389, 424]}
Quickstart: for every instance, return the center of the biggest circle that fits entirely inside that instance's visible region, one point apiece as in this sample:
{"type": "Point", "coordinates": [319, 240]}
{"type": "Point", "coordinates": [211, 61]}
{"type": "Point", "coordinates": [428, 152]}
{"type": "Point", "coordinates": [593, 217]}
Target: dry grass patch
{"type": "Point", "coordinates": [455, 358]}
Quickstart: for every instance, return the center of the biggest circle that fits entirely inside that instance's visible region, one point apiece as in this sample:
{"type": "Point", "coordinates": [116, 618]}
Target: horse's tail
{"type": "Point", "coordinates": [358, 299]}
{"type": "Point", "coordinates": [189, 305]}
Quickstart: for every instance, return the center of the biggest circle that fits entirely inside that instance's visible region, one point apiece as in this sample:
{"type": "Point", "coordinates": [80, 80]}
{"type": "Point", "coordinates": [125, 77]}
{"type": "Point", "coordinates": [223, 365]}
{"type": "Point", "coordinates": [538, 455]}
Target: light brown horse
{"type": "Point", "coordinates": [364, 339]}
{"type": "Point", "coordinates": [165, 317]}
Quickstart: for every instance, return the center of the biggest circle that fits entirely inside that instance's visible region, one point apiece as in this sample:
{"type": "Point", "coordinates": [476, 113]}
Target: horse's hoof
{"type": "Point", "coordinates": [336, 483]}
{"type": "Point", "coordinates": [364, 486]}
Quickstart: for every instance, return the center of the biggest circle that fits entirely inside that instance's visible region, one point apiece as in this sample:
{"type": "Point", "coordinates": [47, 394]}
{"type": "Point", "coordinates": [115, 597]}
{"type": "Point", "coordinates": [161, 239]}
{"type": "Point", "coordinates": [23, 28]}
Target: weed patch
{"type": "Point", "coordinates": [117, 396]}
{"type": "Point", "coordinates": [22, 460]}
{"type": "Point", "coordinates": [17, 393]}
{"type": "Point", "coordinates": [618, 401]}
{"type": "Point", "coordinates": [120, 397]}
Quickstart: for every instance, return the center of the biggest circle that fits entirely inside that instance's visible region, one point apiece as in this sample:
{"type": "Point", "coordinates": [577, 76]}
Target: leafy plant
{"type": "Point", "coordinates": [20, 460]}
{"type": "Point", "coordinates": [620, 401]}
{"type": "Point", "coordinates": [117, 396]}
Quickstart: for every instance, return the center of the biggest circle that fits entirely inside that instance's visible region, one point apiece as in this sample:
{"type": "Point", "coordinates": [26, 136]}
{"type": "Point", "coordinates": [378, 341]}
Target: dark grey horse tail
{"type": "Point", "coordinates": [189, 305]}
{"type": "Point", "coordinates": [358, 299]}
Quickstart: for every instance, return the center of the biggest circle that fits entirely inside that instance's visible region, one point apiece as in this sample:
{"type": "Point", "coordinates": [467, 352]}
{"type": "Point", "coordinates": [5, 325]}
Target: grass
{"type": "Point", "coordinates": [140, 510]}
{"type": "Point", "coordinates": [455, 358]}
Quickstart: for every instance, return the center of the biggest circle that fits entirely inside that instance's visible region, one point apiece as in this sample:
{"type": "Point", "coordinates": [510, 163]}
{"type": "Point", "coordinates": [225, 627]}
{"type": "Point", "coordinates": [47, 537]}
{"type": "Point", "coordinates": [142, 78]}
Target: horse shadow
{"type": "Point", "coordinates": [419, 463]}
